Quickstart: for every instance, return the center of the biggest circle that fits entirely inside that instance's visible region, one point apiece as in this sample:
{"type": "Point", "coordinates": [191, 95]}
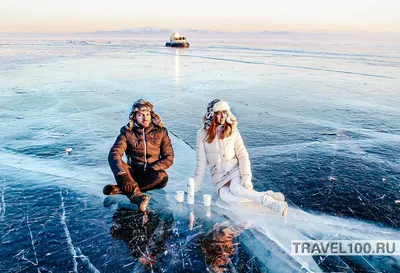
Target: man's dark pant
{"type": "Point", "coordinates": [145, 180]}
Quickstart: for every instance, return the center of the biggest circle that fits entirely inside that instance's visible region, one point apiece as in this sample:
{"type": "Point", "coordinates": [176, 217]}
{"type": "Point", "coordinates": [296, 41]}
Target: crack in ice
{"type": "Point", "coordinates": [85, 260]}
{"type": "Point", "coordinates": [26, 250]}
{"type": "Point", "coordinates": [69, 240]}
{"type": "Point", "coordinates": [32, 240]}
{"type": "Point", "coordinates": [3, 204]}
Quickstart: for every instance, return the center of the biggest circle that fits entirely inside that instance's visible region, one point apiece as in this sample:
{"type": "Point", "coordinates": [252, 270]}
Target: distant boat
{"type": "Point", "coordinates": [175, 40]}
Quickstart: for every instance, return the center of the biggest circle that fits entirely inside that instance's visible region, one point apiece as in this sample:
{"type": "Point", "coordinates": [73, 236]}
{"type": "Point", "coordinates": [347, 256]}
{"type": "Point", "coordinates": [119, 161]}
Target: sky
{"type": "Point", "coordinates": [55, 16]}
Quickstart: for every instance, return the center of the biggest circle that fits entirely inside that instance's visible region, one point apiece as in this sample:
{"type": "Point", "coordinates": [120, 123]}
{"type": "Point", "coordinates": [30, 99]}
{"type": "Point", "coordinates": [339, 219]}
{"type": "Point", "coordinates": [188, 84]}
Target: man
{"type": "Point", "coordinates": [149, 153]}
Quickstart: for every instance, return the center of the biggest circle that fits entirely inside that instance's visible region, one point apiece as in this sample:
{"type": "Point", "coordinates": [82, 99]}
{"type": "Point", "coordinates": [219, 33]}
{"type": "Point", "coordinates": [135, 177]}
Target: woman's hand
{"type": "Point", "coordinates": [246, 182]}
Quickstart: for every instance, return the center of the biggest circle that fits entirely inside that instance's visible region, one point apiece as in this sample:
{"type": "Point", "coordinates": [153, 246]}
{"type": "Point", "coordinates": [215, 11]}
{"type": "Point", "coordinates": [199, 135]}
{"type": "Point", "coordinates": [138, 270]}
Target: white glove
{"type": "Point", "coordinates": [246, 182]}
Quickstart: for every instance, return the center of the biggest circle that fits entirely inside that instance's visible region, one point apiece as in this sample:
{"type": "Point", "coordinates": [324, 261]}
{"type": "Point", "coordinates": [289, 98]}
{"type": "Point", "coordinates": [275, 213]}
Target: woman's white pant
{"type": "Point", "coordinates": [235, 192]}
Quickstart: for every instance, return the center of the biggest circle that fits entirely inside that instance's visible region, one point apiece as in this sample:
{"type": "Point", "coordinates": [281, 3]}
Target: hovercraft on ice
{"type": "Point", "coordinates": [175, 40]}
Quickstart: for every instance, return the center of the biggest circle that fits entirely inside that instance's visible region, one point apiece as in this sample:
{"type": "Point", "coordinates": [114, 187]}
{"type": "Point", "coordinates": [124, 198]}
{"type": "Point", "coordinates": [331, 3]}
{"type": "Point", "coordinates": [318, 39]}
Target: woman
{"type": "Point", "coordinates": [220, 146]}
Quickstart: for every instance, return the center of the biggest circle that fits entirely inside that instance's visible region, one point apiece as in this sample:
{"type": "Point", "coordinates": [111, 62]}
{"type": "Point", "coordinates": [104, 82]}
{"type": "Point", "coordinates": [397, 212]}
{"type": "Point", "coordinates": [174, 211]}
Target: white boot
{"type": "Point", "coordinates": [272, 204]}
{"type": "Point", "coordinates": [276, 195]}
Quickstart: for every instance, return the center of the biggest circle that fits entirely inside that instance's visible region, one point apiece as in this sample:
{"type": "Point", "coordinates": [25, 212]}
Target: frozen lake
{"type": "Point", "coordinates": [321, 124]}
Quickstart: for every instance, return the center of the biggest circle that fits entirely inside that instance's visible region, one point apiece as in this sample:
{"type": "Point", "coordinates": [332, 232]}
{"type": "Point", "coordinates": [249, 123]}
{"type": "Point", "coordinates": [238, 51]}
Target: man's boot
{"type": "Point", "coordinates": [131, 189]}
{"type": "Point", "coordinates": [138, 198]}
{"type": "Point", "coordinates": [141, 200]}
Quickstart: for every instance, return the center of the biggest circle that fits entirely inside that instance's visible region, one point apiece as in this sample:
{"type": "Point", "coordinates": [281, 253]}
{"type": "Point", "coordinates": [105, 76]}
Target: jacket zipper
{"type": "Point", "coordinates": [145, 156]}
{"type": "Point", "coordinates": [222, 152]}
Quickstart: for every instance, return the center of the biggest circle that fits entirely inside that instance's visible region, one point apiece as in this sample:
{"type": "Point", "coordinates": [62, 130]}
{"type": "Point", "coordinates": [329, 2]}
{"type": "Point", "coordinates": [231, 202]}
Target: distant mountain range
{"type": "Point", "coordinates": [148, 32]}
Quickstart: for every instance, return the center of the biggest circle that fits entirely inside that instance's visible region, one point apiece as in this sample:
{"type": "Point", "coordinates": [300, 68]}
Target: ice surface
{"type": "Point", "coordinates": [321, 125]}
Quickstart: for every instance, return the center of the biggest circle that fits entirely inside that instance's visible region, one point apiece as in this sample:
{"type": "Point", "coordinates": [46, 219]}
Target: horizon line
{"type": "Point", "coordinates": [350, 31]}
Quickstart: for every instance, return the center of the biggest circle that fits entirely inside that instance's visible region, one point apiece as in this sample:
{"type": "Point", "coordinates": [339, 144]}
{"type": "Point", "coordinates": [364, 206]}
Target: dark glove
{"type": "Point", "coordinates": [126, 183]}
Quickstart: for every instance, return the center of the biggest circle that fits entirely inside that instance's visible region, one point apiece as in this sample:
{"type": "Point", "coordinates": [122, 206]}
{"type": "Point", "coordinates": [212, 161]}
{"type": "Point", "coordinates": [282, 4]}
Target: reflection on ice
{"type": "Point", "coordinates": [176, 71]}
{"type": "Point", "coordinates": [173, 228]}
{"type": "Point", "coordinates": [218, 246]}
{"type": "Point", "coordinates": [145, 234]}
{"type": "Point", "coordinates": [179, 239]}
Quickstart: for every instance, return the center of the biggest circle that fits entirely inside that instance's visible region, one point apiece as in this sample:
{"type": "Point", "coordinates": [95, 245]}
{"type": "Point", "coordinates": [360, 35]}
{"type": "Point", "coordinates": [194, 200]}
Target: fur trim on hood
{"type": "Point", "coordinates": [155, 120]}
{"type": "Point", "coordinates": [233, 119]}
{"type": "Point", "coordinates": [143, 105]}
{"type": "Point", "coordinates": [215, 106]}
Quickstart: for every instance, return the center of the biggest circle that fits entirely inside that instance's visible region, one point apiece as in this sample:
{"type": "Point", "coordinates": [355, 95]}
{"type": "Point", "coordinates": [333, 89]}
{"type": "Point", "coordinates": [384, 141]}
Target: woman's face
{"type": "Point", "coordinates": [220, 117]}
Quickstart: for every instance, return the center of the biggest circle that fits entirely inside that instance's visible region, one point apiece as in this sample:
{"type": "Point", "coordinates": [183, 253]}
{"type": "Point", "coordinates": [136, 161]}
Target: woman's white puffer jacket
{"type": "Point", "coordinates": [227, 158]}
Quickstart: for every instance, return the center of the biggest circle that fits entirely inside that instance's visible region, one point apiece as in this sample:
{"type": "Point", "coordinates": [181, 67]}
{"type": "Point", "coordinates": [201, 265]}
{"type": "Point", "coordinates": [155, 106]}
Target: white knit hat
{"type": "Point", "coordinates": [221, 106]}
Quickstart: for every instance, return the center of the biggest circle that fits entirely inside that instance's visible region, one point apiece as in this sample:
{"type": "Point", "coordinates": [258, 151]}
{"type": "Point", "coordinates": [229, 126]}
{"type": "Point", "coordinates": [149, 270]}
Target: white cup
{"type": "Point", "coordinates": [180, 196]}
{"type": "Point", "coordinates": [190, 186]}
{"type": "Point", "coordinates": [207, 200]}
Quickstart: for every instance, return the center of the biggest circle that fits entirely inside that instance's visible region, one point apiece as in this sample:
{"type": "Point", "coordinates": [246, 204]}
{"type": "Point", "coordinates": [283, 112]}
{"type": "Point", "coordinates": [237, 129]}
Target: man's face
{"type": "Point", "coordinates": [220, 117]}
{"type": "Point", "coordinates": [143, 118]}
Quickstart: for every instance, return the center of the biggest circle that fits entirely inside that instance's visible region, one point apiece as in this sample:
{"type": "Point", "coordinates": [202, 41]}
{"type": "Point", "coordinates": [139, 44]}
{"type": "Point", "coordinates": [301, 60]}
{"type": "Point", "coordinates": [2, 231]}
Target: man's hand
{"type": "Point", "coordinates": [126, 182]}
